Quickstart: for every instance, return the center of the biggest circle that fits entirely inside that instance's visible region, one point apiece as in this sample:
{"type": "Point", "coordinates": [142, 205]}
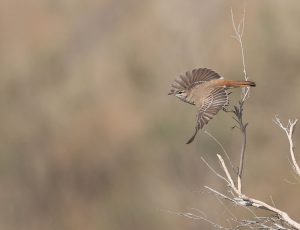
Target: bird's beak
{"type": "Point", "coordinates": [171, 92]}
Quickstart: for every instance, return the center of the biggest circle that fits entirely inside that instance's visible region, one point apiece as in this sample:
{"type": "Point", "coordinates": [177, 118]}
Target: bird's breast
{"type": "Point", "coordinates": [199, 92]}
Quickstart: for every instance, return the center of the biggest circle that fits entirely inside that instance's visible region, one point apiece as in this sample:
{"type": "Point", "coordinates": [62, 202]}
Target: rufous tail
{"type": "Point", "coordinates": [239, 84]}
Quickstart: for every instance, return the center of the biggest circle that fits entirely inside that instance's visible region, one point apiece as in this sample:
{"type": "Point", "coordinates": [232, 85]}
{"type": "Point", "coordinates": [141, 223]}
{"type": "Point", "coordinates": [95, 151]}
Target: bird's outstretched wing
{"type": "Point", "coordinates": [211, 105]}
{"type": "Point", "coordinates": [194, 77]}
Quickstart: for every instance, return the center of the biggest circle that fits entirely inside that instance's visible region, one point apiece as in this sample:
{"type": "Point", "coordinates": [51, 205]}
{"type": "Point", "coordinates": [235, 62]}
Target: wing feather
{"type": "Point", "coordinates": [211, 105]}
{"type": "Point", "coordinates": [194, 77]}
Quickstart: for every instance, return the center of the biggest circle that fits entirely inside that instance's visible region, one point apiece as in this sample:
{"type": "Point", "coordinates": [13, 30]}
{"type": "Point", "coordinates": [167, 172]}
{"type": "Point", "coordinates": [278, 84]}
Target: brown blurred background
{"type": "Point", "coordinates": [89, 138]}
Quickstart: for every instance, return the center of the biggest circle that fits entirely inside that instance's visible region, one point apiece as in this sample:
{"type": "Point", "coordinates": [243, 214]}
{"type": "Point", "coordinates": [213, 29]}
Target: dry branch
{"type": "Point", "coordinates": [238, 35]}
{"type": "Point", "coordinates": [289, 130]}
{"type": "Point", "coordinates": [246, 201]}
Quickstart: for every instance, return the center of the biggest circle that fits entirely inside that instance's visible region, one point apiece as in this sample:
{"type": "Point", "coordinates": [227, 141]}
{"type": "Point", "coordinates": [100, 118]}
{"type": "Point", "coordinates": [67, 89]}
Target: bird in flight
{"type": "Point", "coordinates": [205, 89]}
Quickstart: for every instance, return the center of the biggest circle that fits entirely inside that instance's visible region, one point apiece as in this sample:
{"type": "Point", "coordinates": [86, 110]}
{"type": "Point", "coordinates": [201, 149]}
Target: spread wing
{"type": "Point", "coordinates": [194, 77]}
{"type": "Point", "coordinates": [209, 107]}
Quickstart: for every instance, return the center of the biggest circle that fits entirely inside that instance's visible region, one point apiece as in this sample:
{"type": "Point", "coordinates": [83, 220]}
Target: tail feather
{"type": "Point", "coordinates": [240, 84]}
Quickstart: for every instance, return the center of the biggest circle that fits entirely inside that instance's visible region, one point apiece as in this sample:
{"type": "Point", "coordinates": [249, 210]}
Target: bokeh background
{"type": "Point", "coordinates": [89, 138]}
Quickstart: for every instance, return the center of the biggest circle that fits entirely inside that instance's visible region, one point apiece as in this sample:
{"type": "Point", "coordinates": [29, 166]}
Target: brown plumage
{"type": "Point", "coordinates": [205, 89]}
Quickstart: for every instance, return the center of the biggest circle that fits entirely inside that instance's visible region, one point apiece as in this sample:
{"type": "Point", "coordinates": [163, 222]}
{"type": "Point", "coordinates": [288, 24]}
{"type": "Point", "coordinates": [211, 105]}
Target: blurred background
{"type": "Point", "coordinates": [89, 138]}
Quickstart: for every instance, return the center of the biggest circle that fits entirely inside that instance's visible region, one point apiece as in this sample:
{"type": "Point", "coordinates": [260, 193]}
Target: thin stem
{"type": "Point", "coordinates": [243, 150]}
{"type": "Point", "coordinates": [238, 112]}
{"type": "Point", "coordinates": [238, 35]}
{"type": "Point", "coordinates": [222, 147]}
{"type": "Point", "coordinates": [214, 171]}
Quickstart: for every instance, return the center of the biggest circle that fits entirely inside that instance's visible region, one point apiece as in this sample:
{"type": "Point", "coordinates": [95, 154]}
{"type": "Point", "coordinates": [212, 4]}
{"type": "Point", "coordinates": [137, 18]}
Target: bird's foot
{"type": "Point", "coordinates": [226, 109]}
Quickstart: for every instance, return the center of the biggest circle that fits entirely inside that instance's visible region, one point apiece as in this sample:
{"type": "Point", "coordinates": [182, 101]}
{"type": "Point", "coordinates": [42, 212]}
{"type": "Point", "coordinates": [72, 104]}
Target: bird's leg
{"type": "Point", "coordinates": [225, 109]}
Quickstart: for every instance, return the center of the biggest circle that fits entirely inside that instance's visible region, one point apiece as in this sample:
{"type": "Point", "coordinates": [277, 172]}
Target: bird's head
{"type": "Point", "coordinates": [181, 94]}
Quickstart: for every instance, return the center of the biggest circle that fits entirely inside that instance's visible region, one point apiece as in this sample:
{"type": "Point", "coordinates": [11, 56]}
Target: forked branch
{"type": "Point", "coordinates": [238, 35]}
{"type": "Point", "coordinates": [289, 131]}
{"type": "Point", "coordinates": [243, 200]}
{"type": "Point", "coordinates": [239, 198]}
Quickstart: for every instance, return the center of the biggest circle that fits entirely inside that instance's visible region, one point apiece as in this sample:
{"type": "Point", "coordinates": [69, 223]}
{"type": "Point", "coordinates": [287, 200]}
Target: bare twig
{"type": "Point", "coordinates": [222, 147]}
{"type": "Point", "coordinates": [261, 223]}
{"type": "Point", "coordinates": [229, 178]}
{"type": "Point", "coordinates": [289, 130]}
{"type": "Point", "coordinates": [227, 210]}
{"type": "Point", "coordinates": [195, 216]}
{"type": "Point", "coordinates": [219, 194]}
{"type": "Point", "coordinates": [238, 35]}
{"type": "Point", "coordinates": [214, 171]}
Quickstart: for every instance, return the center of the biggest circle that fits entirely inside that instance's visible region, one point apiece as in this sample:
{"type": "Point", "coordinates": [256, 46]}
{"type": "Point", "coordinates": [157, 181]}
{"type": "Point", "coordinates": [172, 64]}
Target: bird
{"type": "Point", "coordinates": [207, 91]}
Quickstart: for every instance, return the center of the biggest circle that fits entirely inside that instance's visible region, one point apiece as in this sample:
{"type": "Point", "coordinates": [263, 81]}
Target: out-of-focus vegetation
{"type": "Point", "coordinates": [89, 138]}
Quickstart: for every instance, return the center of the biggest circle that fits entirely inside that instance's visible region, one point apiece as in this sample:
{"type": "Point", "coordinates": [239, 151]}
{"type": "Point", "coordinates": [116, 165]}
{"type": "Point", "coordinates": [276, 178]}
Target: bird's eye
{"type": "Point", "coordinates": [180, 92]}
